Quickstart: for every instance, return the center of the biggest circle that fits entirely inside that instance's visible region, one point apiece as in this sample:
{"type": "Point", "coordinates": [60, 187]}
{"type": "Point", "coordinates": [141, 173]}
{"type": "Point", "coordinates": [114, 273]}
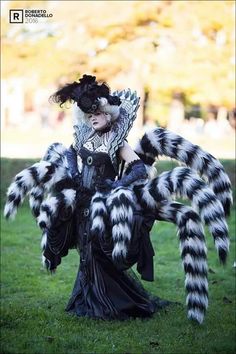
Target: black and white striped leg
{"type": "Point", "coordinates": [120, 203]}
{"type": "Point", "coordinates": [183, 182]}
{"type": "Point", "coordinates": [160, 142]}
{"type": "Point", "coordinates": [41, 173]}
{"type": "Point", "coordinates": [193, 254]}
{"type": "Point", "coordinates": [36, 197]}
{"type": "Point", "coordinates": [64, 202]}
{"type": "Point", "coordinates": [98, 214]}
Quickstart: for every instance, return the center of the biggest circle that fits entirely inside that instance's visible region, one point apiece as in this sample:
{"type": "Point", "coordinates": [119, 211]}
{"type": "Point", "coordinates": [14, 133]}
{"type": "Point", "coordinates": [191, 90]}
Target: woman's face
{"type": "Point", "coordinates": [99, 120]}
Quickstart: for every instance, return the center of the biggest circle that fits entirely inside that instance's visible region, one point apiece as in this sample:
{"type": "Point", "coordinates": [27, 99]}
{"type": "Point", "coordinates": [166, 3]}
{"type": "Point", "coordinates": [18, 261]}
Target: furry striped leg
{"type": "Point", "coordinates": [183, 182]}
{"type": "Point", "coordinates": [163, 142]}
{"type": "Point", "coordinates": [45, 261]}
{"type": "Point", "coordinates": [41, 173]}
{"type": "Point", "coordinates": [36, 197]}
{"type": "Point", "coordinates": [23, 183]}
{"type": "Point", "coordinates": [56, 153]}
{"type": "Point", "coordinates": [63, 202]}
{"type": "Point", "coordinates": [120, 205]}
{"type": "Point", "coordinates": [98, 214]}
{"type": "Point", "coordinates": [193, 254]}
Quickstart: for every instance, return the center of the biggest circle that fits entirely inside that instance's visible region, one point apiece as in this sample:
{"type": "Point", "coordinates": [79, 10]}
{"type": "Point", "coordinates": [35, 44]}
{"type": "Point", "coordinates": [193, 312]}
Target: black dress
{"type": "Point", "coordinates": [103, 289]}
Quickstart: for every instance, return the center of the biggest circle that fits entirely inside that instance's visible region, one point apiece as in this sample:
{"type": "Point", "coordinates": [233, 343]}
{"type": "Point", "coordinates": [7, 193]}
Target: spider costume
{"type": "Point", "coordinates": [107, 214]}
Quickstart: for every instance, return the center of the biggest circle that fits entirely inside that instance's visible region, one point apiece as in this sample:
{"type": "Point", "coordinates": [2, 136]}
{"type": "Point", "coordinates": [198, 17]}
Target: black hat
{"type": "Point", "coordinates": [88, 92]}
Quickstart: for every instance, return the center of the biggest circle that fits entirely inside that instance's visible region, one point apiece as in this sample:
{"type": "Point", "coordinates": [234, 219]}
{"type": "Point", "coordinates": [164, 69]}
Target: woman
{"type": "Point", "coordinates": [102, 288]}
{"type": "Point", "coordinates": [107, 214]}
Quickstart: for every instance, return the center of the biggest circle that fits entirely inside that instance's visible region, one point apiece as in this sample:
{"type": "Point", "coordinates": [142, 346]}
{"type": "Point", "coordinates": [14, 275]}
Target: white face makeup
{"type": "Point", "coordinates": [99, 120]}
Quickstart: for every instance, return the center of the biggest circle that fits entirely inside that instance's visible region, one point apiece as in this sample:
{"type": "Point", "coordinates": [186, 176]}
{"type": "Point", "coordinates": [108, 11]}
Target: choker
{"type": "Point", "coordinates": [103, 131]}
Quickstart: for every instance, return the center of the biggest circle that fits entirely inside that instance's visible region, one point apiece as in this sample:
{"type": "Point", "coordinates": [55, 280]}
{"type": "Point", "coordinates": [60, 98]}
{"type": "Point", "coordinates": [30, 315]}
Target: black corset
{"type": "Point", "coordinates": [96, 166]}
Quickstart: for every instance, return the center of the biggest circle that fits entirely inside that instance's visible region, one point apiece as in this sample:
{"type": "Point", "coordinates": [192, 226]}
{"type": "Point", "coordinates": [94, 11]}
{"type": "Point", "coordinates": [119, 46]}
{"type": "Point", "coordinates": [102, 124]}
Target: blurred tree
{"type": "Point", "coordinates": [169, 46]}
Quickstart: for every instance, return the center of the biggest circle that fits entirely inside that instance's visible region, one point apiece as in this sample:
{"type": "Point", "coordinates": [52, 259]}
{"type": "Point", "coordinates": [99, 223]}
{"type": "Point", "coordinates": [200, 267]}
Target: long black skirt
{"type": "Point", "coordinates": [107, 290]}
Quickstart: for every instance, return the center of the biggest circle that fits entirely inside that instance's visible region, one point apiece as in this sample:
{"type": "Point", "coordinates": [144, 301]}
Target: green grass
{"type": "Point", "coordinates": [33, 319]}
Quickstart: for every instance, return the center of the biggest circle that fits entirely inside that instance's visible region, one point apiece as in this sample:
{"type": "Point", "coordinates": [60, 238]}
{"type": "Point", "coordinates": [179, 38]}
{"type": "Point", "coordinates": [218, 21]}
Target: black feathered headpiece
{"type": "Point", "coordinates": [88, 95]}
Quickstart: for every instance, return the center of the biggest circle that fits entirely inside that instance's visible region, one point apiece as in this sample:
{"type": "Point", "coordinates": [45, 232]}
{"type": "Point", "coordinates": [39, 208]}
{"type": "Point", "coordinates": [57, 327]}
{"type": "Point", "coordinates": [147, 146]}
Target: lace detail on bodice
{"type": "Point", "coordinates": [98, 142]}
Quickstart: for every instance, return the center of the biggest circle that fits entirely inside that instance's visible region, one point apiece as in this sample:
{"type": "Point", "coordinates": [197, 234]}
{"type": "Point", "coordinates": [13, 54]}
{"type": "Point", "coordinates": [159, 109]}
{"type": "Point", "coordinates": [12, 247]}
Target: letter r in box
{"type": "Point", "coordinates": [16, 16]}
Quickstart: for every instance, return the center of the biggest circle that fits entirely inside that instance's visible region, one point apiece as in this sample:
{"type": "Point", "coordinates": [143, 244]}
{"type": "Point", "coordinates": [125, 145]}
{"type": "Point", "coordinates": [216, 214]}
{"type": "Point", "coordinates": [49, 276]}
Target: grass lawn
{"type": "Point", "coordinates": [33, 319]}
